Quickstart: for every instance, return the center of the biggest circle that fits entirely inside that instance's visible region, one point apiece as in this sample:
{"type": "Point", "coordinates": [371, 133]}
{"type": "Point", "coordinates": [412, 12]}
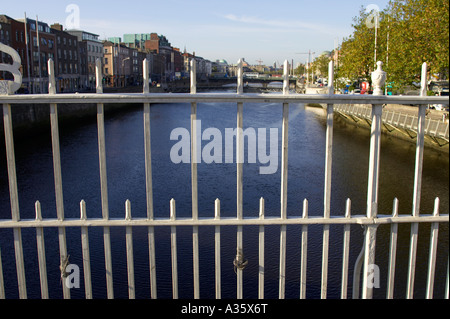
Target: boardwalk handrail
{"type": "Point", "coordinates": [433, 127]}
{"type": "Point", "coordinates": [370, 220]}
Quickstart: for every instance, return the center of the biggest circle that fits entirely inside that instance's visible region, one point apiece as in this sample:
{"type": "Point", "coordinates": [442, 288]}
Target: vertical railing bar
{"type": "Point", "coordinates": [239, 180]}
{"type": "Point", "coordinates": [239, 160]}
{"type": "Point", "coordinates": [217, 250]}
{"type": "Point", "coordinates": [327, 198]}
{"type": "Point", "coordinates": [194, 160]}
{"type": "Point", "coordinates": [346, 249]}
{"type": "Point", "coordinates": [433, 252]}
{"type": "Point", "coordinates": [173, 246]}
{"type": "Point", "coordinates": [284, 180]}
{"type": "Point", "coordinates": [14, 199]}
{"type": "Point", "coordinates": [58, 176]}
{"type": "Point", "coordinates": [129, 248]}
{"type": "Point", "coordinates": [392, 253]}
{"type": "Point", "coordinates": [103, 180]}
{"type": "Point", "coordinates": [447, 281]}
{"type": "Point", "coordinates": [149, 182]}
{"type": "Point", "coordinates": [41, 253]}
{"type": "Point", "coordinates": [2, 282]}
{"type": "Point", "coordinates": [261, 252]}
{"type": "Point", "coordinates": [417, 186]}
{"type": "Point", "coordinates": [446, 130]}
{"type": "Point", "coordinates": [327, 185]}
{"type": "Point", "coordinates": [86, 252]}
{"type": "Point", "coordinates": [303, 262]}
{"type": "Point", "coordinates": [427, 129]}
{"type": "Point", "coordinates": [437, 127]}
{"type": "Point", "coordinates": [108, 262]}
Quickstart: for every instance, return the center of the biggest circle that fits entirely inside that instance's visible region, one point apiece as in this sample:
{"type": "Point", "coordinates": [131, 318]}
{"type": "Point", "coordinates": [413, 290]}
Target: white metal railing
{"type": "Point", "coordinates": [435, 128]}
{"type": "Point", "coordinates": [370, 221]}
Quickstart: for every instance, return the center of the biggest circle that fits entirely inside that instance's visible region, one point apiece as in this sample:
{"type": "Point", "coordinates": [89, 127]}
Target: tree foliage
{"type": "Point", "coordinates": [410, 32]}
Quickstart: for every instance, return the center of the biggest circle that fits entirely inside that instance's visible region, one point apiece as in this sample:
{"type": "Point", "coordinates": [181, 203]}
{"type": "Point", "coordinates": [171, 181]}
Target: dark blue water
{"type": "Point", "coordinates": [126, 180]}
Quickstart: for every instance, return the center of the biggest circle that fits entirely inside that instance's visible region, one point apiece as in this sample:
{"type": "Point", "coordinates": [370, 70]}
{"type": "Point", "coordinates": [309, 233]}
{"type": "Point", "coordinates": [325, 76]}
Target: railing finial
{"type": "Point", "coordinates": [286, 77]}
{"type": "Point", "coordinates": [145, 69]}
{"type": "Point", "coordinates": [98, 76]}
{"type": "Point", "coordinates": [240, 76]}
{"type": "Point", "coordinates": [193, 76]}
{"type": "Point", "coordinates": [330, 77]}
{"type": "Point", "coordinates": [423, 80]}
{"type": "Point", "coordinates": [51, 77]}
{"type": "Point", "coordinates": [378, 79]}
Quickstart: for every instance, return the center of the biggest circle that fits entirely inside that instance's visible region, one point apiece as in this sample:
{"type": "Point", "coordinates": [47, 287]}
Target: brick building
{"type": "Point", "coordinates": [67, 61]}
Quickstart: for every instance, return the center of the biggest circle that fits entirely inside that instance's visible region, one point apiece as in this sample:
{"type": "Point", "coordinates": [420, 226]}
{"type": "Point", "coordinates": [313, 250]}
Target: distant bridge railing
{"type": "Point", "coordinates": [370, 221]}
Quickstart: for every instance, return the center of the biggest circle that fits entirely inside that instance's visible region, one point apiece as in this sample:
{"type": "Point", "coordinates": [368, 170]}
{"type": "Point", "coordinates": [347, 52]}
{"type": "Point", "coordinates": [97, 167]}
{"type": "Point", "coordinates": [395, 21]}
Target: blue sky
{"type": "Point", "coordinates": [252, 29]}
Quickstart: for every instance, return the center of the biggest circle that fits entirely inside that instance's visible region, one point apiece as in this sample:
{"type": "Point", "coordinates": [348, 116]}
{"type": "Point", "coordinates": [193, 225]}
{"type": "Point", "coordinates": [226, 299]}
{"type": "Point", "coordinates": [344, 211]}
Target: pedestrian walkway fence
{"type": "Point", "coordinates": [436, 129]}
{"type": "Point", "coordinates": [363, 270]}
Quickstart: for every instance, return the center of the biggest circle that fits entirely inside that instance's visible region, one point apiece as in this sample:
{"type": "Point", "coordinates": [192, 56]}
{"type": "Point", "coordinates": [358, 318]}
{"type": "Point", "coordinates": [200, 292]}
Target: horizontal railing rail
{"type": "Point", "coordinates": [218, 97]}
{"type": "Point", "coordinates": [224, 221]}
{"type": "Point", "coordinates": [370, 220]}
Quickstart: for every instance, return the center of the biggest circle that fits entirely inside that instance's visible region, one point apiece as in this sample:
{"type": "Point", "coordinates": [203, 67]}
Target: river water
{"type": "Point", "coordinates": [126, 180]}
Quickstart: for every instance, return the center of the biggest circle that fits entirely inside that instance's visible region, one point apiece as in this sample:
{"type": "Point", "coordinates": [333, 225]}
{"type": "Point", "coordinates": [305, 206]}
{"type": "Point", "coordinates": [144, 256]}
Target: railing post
{"type": "Point", "coordinates": [284, 180]}
{"type": "Point", "coordinates": [14, 199]}
{"type": "Point", "coordinates": [195, 158]}
{"type": "Point", "coordinates": [378, 79]}
{"type": "Point", "coordinates": [417, 185]}
{"type": "Point", "coordinates": [239, 262]}
{"type": "Point", "coordinates": [327, 188]}
{"type": "Point", "coordinates": [103, 178]}
{"type": "Point", "coordinates": [58, 176]}
{"type": "Point", "coordinates": [148, 182]}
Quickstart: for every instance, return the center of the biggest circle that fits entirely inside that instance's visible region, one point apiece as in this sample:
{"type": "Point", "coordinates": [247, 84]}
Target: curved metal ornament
{"type": "Point", "coordinates": [9, 87]}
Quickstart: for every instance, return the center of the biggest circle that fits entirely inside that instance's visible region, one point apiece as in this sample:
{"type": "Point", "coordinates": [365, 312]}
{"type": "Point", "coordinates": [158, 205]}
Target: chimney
{"type": "Point", "coordinates": [57, 26]}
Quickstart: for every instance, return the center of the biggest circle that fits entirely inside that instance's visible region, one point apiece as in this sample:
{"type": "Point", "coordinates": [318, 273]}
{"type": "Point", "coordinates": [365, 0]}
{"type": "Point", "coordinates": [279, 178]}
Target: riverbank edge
{"type": "Point", "coordinates": [429, 142]}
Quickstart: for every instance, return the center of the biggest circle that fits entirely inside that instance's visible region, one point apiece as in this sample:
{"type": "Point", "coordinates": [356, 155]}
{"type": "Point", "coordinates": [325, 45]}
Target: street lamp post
{"type": "Point", "coordinates": [123, 69]}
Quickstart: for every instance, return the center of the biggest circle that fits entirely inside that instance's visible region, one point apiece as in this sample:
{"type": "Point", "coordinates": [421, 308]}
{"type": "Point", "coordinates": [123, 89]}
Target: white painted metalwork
{"type": "Point", "coordinates": [370, 221]}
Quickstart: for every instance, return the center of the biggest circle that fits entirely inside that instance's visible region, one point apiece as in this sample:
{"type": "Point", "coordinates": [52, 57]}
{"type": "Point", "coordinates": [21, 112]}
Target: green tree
{"type": "Point", "coordinates": [419, 34]}
{"type": "Point", "coordinates": [320, 65]}
{"type": "Point", "coordinates": [410, 32]}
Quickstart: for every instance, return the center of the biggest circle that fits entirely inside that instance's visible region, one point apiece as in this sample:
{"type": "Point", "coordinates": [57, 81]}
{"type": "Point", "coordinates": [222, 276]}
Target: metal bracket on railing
{"type": "Point", "coordinates": [358, 267]}
{"type": "Point", "coordinates": [63, 266]}
{"type": "Point", "coordinates": [239, 262]}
